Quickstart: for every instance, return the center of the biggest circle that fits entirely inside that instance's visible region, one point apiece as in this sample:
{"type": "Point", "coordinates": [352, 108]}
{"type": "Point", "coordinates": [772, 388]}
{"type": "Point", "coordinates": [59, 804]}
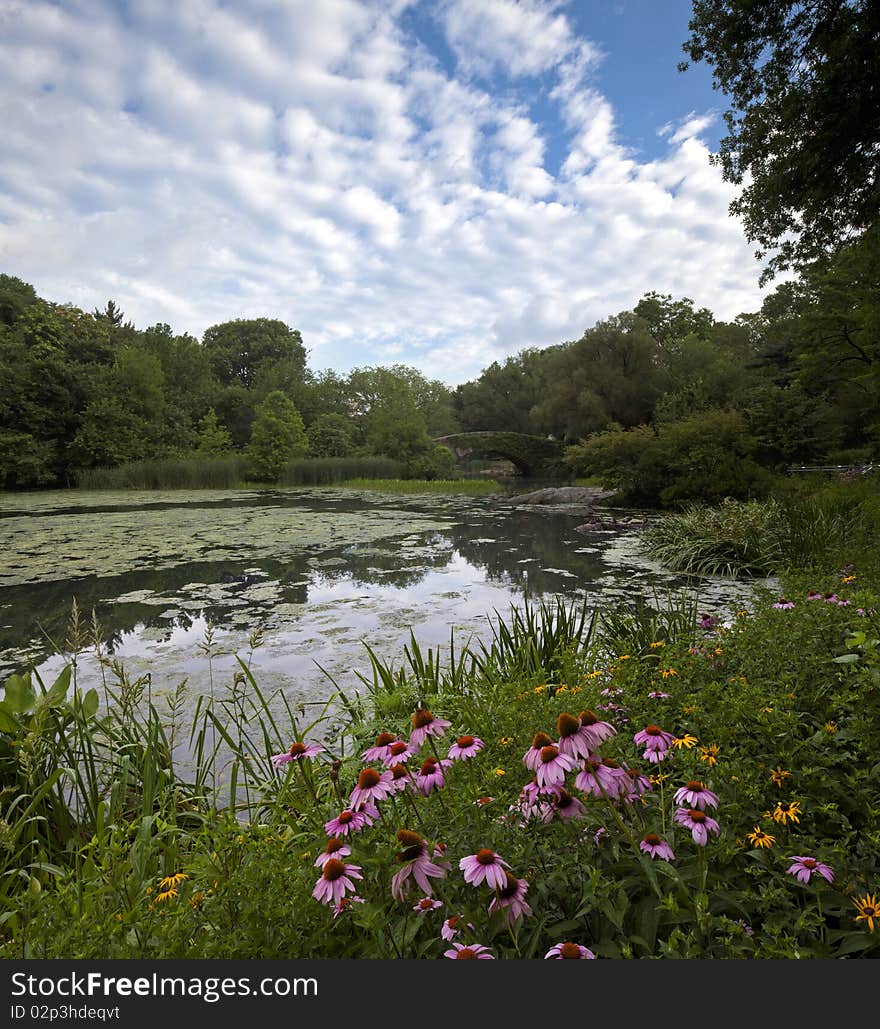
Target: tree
{"type": "Point", "coordinates": [212, 437]}
{"type": "Point", "coordinates": [278, 436]}
{"type": "Point", "coordinates": [804, 125]}
{"type": "Point", "coordinates": [242, 349]}
{"type": "Point", "coordinates": [331, 435]}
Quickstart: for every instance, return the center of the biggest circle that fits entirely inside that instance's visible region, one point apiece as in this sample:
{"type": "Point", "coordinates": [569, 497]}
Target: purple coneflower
{"type": "Point", "coordinates": [425, 724]}
{"type": "Point", "coordinates": [696, 795]}
{"type": "Point", "coordinates": [336, 880]}
{"type": "Point", "coordinates": [830, 598]}
{"type": "Point", "coordinates": [510, 899]}
{"type": "Point", "coordinates": [379, 751]}
{"type": "Point", "coordinates": [460, 951]}
{"type": "Point", "coordinates": [351, 820]}
{"type": "Point", "coordinates": [653, 845]}
{"type": "Point", "coordinates": [465, 747]}
{"type": "Point", "coordinates": [804, 867]}
{"type": "Point", "coordinates": [536, 802]}
{"type": "Point", "coordinates": [400, 778]}
{"type": "Point", "coordinates": [595, 729]}
{"type": "Point", "coordinates": [602, 777]}
{"type": "Point", "coordinates": [399, 751]}
{"type": "Point", "coordinates": [484, 865]}
{"type": "Point", "coordinates": [574, 740]}
{"type": "Point", "coordinates": [430, 775]}
{"type": "Point", "coordinates": [638, 784]}
{"type": "Point", "coordinates": [532, 757]}
{"type": "Point", "coordinates": [656, 742]}
{"type": "Point", "coordinates": [563, 951]}
{"type": "Point", "coordinates": [416, 863]}
{"type": "Point", "coordinates": [784, 605]}
{"type": "Point", "coordinates": [427, 904]}
{"type": "Point", "coordinates": [346, 903]}
{"type": "Point", "coordinates": [659, 694]}
{"type": "Point", "coordinates": [451, 928]}
{"type": "Point", "coordinates": [699, 823]}
{"type": "Point", "coordinates": [335, 848]}
{"type": "Point", "coordinates": [814, 595]}
{"type": "Point", "coordinates": [568, 807]}
{"type": "Point", "coordinates": [708, 621]}
{"type": "Point", "coordinates": [371, 786]}
{"type": "Point", "coordinates": [552, 766]}
{"type": "Point", "coordinates": [297, 752]}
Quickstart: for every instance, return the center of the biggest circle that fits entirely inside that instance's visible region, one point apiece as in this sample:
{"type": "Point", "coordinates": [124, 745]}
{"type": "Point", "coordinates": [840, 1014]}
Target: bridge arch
{"type": "Point", "coordinates": [530, 455]}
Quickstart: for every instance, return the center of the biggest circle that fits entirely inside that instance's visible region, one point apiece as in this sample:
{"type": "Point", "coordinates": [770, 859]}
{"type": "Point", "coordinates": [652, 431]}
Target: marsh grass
{"type": "Point", "coordinates": [756, 538]}
{"type": "Point", "coordinates": [467, 487]}
{"type": "Point", "coordinates": [193, 472]}
{"type": "Point", "coordinates": [324, 471]}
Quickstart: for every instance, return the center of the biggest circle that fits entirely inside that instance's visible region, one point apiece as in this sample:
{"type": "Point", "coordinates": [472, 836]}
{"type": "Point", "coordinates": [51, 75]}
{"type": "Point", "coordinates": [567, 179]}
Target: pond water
{"type": "Point", "coordinates": [316, 571]}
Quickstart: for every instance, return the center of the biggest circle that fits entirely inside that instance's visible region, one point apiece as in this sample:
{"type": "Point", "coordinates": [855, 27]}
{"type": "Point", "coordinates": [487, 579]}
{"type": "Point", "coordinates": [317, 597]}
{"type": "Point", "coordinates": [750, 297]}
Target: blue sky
{"type": "Point", "coordinates": [438, 184]}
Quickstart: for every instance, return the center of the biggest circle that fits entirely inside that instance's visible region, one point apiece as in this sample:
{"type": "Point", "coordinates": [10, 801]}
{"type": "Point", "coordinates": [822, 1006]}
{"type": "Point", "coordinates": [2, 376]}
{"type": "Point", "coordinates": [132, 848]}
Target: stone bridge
{"type": "Point", "coordinates": [532, 456]}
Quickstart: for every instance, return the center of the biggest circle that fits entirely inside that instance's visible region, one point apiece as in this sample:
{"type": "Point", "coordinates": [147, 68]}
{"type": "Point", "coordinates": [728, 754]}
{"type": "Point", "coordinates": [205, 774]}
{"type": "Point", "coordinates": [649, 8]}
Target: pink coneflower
{"type": "Point", "coordinates": [602, 777]}
{"type": "Point", "coordinates": [656, 742]}
{"type": "Point", "coordinates": [843, 603]}
{"type": "Point", "coordinates": [653, 845]}
{"type": "Point", "coordinates": [345, 904]}
{"type": "Point", "coordinates": [696, 795]}
{"type": "Point", "coordinates": [351, 820]}
{"type": "Point", "coordinates": [400, 778]}
{"type": "Point", "coordinates": [335, 848]}
{"type": "Point", "coordinates": [569, 950]}
{"type": "Point", "coordinates": [699, 823]}
{"type": "Point", "coordinates": [399, 751]}
{"type": "Point", "coordinates": [830, 598]}
{"type": "Point", "coordinates": [336, 880]}
{"type": "Point", "coordinates": [804, 867]}
{"type": "Point", "coordinates": [595, 729]}
{"type": "Point", "coordinates": [814, 595]}
{"type": "Point", "coordinates": [536, 802]}
{"type": "Point", "coordinates": [379, 751]}
{"type": "Point", "coordinates": [510, 899]}
{"type": "Point", "coordinates": [465, 747]}
{"type": "Point", "coordinates": [425, 724]}
{"type": "Point", "coordinates": [486, 866]}
{"type": "Point", "coordinates": [551, 769]}
{"type": "Point", "coordinates": [451, 928]}
{"type": "Point", "coordinates": [637, 785]}
{"type": "Point", "coordinates": [297, 752]}
{"type": "Point", "coordinates": [568, 807]}
{"type": "Point", "coordinates": [430, 776]}
{"type": "Point", "coordinates": [574, 740]}
{"type": "Point", "coordinates": [371, 786]}
{"type": "Point", "coordinates": [416, 863]}
{"type": "Point", "coordinates": [658, 695]}
{"type": "Point", "coordinates": [783, 605]}
{"type": "Point", "coordinates": [427, 904]}
{"type": "Point", "coordinates": [460, 951]}
{"type": "Point", "coordinates": [708, 621]}
{"type": "Point", "coordinates": [532, 757]}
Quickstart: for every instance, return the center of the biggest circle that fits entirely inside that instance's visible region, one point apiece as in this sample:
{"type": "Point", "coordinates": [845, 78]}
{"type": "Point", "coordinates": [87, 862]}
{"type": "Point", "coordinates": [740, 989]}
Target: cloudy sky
{"type": "Point", "coordinates": [438, 183]}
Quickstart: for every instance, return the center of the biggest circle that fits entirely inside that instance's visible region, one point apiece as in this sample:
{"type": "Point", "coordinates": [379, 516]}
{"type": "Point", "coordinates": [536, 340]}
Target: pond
{"type": "Point", "coordinates": [316, 572]}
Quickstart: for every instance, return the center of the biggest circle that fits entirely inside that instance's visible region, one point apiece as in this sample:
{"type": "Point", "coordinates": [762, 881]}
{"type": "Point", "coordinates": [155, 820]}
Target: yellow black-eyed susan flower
{"type": "Point", "coordinates": [869, 910]}
{"type": "Point", "coordinates": [759, 838]}
{"type": "Point", "coordinates": [786, 812]}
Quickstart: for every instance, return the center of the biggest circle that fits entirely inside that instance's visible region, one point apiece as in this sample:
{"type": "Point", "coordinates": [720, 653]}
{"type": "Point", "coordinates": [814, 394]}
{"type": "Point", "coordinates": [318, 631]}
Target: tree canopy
{"type": "Point", "coordinates": [803, 136]}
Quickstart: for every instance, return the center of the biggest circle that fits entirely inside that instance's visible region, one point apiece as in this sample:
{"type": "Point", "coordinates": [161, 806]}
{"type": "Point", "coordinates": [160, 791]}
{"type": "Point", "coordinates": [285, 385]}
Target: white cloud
{"type": "Point", "coordinates": [198, 162]}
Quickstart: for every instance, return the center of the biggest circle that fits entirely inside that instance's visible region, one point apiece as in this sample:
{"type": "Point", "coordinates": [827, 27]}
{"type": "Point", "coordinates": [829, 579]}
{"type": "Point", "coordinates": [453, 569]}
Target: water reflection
{"type": "Point", "coordinates": [317, 603]}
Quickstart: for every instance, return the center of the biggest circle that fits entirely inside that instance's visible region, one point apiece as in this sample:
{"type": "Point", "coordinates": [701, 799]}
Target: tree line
{"type": "Point", "coordinates": [664, 401]}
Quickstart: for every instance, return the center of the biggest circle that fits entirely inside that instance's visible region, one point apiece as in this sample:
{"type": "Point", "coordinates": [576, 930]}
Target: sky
{"type": "Point", "coordinates": [436, 183]}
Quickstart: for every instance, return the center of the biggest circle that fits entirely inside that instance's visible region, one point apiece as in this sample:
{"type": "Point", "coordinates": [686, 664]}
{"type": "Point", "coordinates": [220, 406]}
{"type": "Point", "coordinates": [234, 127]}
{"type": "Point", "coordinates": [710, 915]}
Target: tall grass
{"type": "Point", "coordinates": [321, 471]}
{"type": "Point", "coordinates": [758, 537]}
{"type": "Point", "coordinates": [468, 487]}
{"type": "Point", "coordinates": [191, 472]}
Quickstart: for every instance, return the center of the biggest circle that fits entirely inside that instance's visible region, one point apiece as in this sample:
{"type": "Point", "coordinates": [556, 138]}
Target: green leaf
{"type": "Point", "coordinates": [845, 659]}
{"type": "Point", "coordinates": [90, 703]}
{"type": "Point", "coordinates": [7, 722]}
{"type": "Point", "coordinates": [58, 691]}
{"type": "Point", "coordinates": [20, 694]}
